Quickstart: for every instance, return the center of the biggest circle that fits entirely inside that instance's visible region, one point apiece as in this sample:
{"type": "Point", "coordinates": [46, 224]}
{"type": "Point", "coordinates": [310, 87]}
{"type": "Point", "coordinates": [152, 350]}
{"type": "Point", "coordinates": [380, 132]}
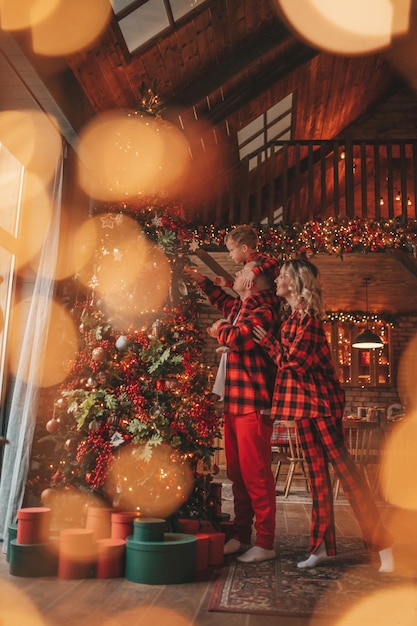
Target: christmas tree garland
{"type": "Point", "coordinates": [332, 235]}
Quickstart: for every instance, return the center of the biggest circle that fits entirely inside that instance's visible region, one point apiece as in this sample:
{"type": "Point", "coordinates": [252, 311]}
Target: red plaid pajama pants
{"type": "Point", "coordinates": [247, 440]}
{"type": "Point", "coordinates": [323, 442]}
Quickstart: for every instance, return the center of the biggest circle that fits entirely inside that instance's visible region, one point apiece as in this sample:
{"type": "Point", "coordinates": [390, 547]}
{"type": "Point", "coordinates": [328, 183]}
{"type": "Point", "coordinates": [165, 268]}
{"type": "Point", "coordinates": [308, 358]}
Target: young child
{"type": "Point", "coordinates": [242, 243]}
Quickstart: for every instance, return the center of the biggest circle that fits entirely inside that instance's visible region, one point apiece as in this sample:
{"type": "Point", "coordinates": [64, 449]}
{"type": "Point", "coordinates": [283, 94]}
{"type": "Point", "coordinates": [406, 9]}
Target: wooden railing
{"type": "Point", "coordinates": [300, 181]}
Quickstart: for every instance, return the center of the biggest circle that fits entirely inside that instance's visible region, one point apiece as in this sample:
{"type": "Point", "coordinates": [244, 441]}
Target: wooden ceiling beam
{"type": "Point", "coordinates": [226, 70]}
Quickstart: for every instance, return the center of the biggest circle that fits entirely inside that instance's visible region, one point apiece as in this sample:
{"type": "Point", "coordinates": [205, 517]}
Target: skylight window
{"type": "Point", "coordinates": [275, 123]}
{"type": "Point", "coordinates": [141, 21]}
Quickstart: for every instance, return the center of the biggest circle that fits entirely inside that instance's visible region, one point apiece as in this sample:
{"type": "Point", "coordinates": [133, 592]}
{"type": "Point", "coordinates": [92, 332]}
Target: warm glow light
{"type": "Point", "coordinates": [16, 608]}
{"type": "Point", "coordinates": [206, 155]}
{"type": "Point", "coordinates": [35, 217]}
{"type": "Point", "coordinates": [25, 13]}
{"type": "Point", "coordinates": [146, 614]}
{"type": "Point", "coordinates": [399, 465]}
{"type": "Point", "coordinates": [175, 162]}
{"type": "Point", "coordinates": [386, 607]}
{"type": "Point", "coordinates": [347, 26]}
{"type": "Point", "coordinates": [121, 155]}
{"type": "Point", "coordinates": [70, 27]}
{"type": "Point", "coordinates": [32, 137]}
{"type": "Point", "coordinates": [137, 285]}
{"type": "Point", "coordinates": [407, 376]}
{"type": "Point", "coordinates": [60, 345]}
{"type": "Point", "coordinates": [129, 275]}
{"type": "Point", "coordinates": [152, 480]}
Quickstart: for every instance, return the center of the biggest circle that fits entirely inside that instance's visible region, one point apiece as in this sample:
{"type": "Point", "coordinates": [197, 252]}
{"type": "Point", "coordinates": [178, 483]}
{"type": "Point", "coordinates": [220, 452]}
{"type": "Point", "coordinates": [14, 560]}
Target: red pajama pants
{"type": "Point", "coordinates": [322, 440]}
{"type": "Point", "coordinates": [248, 457]}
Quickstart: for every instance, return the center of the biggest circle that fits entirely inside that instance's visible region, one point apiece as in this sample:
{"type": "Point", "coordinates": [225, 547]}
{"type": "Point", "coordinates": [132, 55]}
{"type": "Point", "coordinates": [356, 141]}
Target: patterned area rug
{"type": "Point", "coordinates": [279, 588]}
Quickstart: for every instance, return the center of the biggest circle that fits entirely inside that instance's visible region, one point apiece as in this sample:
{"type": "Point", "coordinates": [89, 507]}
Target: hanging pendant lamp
{"type": "Point", "coordinates": [367, 340]}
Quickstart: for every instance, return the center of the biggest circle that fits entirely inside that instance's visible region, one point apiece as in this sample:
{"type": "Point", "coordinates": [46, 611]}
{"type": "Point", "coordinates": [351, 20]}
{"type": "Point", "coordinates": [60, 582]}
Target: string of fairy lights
{"type": "Point", "coordinates": [335, 236]}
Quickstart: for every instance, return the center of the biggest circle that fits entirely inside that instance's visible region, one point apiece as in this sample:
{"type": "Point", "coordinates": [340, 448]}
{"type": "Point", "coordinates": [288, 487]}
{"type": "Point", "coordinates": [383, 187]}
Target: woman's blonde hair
{"type": "Point", "coordinates": [305, 286]}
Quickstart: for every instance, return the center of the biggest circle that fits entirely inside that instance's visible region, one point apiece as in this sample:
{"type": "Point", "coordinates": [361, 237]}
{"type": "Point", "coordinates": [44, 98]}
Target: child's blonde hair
{"type": "Point", "coordinates": [243, 234]}
{"type": "Point", "coordinates": [305, 286]}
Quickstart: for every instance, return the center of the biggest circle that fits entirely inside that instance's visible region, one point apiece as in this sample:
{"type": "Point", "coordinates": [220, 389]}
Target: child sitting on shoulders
{"type": "Point", "coordinates": [242, 244]}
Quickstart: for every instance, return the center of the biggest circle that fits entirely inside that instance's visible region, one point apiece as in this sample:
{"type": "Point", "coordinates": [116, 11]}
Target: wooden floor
{"type": "Point", "coordinates": [118, 602]}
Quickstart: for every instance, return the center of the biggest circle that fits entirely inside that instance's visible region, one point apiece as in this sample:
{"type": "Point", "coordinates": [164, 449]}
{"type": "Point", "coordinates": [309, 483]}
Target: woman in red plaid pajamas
{"type": "Point", "coordinates": [248, 379]}
{"type": "Point", "coordinates": [307, 390]}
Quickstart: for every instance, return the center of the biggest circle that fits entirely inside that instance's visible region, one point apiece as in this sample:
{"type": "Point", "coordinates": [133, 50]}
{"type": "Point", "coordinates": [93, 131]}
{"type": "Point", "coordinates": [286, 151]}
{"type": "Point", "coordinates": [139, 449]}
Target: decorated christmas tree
{"type": "Point", "coordinates": [135, 419]}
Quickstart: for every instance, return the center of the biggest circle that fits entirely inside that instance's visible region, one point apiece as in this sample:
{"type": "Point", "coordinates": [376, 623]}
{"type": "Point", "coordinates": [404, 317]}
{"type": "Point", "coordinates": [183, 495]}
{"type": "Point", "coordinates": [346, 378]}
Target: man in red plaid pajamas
{"type": "Point", "coordinates": [248, 384]}
{"type": "Point", "coordinates": [307, 390]}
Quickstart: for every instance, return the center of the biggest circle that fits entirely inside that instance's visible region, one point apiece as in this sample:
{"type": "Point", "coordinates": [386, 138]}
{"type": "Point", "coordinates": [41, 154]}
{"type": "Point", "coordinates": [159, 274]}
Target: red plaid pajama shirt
{"type": "Point", "coordinates": [307, 389]}
{"type": "Point", "coordinates": [249, 384]}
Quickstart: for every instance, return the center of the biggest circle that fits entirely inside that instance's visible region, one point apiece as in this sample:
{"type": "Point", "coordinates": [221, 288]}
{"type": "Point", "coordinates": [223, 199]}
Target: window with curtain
{"type": "Point", "coordinates": [356, 367]}
{"type": "Point", "coordinates": [11, 179]}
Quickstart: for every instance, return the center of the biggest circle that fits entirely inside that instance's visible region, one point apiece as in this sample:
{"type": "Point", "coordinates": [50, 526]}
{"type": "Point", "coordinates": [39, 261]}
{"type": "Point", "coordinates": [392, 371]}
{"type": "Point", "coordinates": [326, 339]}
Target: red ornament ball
{"type": "Point", "coordinates": [48, 496]}
{"type": "Point", "coordinates": [99, 355]}
{"type": "Point", "coordinates": [70, 444]}
{"type": "Point", "coordinates": [52, 426]}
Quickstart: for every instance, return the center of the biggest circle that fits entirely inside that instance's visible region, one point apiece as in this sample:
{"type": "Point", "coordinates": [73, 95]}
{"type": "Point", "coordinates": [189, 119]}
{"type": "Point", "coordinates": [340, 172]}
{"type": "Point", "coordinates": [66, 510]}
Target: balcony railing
{"type": "Point", "coordinates": [300, 181]}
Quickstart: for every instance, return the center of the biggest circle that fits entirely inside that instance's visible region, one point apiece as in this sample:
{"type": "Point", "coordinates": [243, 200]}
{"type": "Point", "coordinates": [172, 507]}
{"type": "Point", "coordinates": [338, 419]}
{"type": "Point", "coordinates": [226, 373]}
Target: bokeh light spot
{"type": "Point", "coordinates": [153, 480]}
{"type": "Point", "coordinates": [407, 376]}
{"type": "Point", "coordinates": [70, 27]}
{"type": "Point", "coordinates": [155, 615]}
{"type": "Point", "coordinates": [120, 156]}
{"type": "Point", "coordinates": [60, 343]}
{"type": "Point", "coordinates": [25, 13]}
{"type": "Point", "coordinates": [16, 609]}
{"type": "Point", "coordinates": [35, 218]}
{"type": "Point", "coordinates": [387, 607]}
{"type": "Point", "coordinates": [347, 27]}
{"type": "Point", "coordinates": [32, 137]}
{"type": "Point", "coordinates": [399, 464]}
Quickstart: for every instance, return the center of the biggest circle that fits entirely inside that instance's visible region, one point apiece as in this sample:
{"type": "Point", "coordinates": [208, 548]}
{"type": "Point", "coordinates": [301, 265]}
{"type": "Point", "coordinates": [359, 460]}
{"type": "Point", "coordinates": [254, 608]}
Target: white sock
{"type": "Point", "coordinates": [256, 555]}
{"type": "Point", "coordinates": [314, 559]}
{"type": "Point", "coordinates": [387, 560]}
{"type": "Point", "coordinates": [232, 546]}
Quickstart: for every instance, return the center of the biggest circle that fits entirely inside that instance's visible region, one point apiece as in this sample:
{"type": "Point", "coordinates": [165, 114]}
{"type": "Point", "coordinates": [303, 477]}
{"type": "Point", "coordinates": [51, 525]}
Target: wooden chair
{"type": "Point", "coordinates": [286, 449]}
{"type": "Point", "coordinates": [364, 440]}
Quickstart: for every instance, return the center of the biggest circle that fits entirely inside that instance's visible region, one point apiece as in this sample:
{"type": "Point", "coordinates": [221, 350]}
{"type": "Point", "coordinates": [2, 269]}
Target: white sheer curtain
{"type": "Point", "coordinates": [25, 397]}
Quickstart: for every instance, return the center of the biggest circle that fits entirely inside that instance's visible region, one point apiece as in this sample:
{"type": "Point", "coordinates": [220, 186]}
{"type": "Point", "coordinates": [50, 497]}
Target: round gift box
{"type": "Point", "coordinates": [99, 521]}
{"type": "Point", "coordinates": [33, 560]}
{"type": "Point", "coordinates": [110, 558]}
{"type": "Point", "coordinates": [148, 529]}
{"type": "Point", "coordinates": [77, 553]}
{"type": "Point", "coordinates": [122, 525]}
{"type": "Point", "coordinates": [168, 562]}
{"type": "Point", "coordinates": [33, 525]}
{"type": "Point", "coordinates": [202, 551]}
{"type": "Point", "coordinates": [12, 534]}
{"type": "Point", "coordinates": [189, 526]}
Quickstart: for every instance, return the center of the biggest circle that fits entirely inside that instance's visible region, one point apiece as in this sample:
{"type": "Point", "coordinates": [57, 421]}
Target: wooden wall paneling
{"type": "Point", "coordinates": [231, 187]}
{"type": "Point", "coordinates": [297, 179]}
{"type": "Point", "coordinates": [310, 182]}
{"type": "Point", "coordinates": [323, 181]}
{"type": "Point", "coordinates": [284, 186]}
{"type": "Point", "coordinates": [349, 182]}
{"type": "Point", "coordinates": [258, 193]}
{"type": "Point", "coordinates": [271, 205]}
{"type": "Point", "coordinates": [403, 185]}
{"type": "Point", "coordinates": [414, 172]}
{"type": "Point", "coordinates": [244, 198]}
{"type": "Point", "coordinates": [377, 180]}
{"type": "Point", "coordinates": [364, 180]}
{"type": "Point", "coordinates": [336, 196]}
{"type": "Point", "coordinates": [390, 183]}
{"type": "Point", "coordinates": [206, 40]}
